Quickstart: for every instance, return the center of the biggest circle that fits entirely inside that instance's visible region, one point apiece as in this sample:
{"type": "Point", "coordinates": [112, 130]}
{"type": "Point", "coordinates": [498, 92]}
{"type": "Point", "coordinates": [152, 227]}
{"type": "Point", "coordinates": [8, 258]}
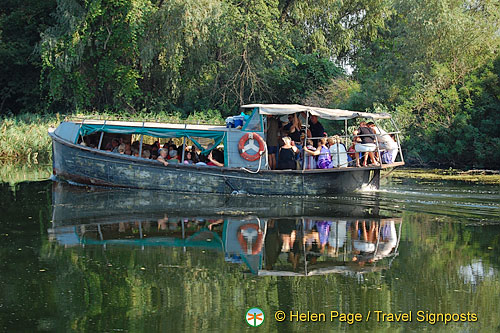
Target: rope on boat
{"type": "Point", "coordinates": [260, 161]}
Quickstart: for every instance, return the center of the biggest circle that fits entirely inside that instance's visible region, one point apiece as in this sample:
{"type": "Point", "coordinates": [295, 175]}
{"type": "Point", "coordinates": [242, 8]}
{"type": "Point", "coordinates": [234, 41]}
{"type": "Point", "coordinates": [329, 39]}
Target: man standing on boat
{"type": "Point", "coordinates": [316, 130]}
{"type": "Point", "coordinates": [272, 139]}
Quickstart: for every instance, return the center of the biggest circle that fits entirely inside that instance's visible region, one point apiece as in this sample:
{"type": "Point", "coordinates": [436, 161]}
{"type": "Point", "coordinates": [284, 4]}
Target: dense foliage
{"type": "Point", "coordinates": [194, 54]}
{"type": "Point", "coordinates": [437, 67]}
{"type": "Point", "coordinates": [433, 64]}
{"type": "Point", "coordinates": [21, 23]}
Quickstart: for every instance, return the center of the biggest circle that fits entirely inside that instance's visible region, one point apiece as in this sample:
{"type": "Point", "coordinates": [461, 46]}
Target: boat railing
{"type": "Point", "coordinates": [345, 139]}
{"type": "Point", "coordinates": [153, 119]}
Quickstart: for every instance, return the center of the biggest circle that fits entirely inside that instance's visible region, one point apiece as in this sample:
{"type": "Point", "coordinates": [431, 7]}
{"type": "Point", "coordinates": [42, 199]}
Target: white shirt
{"type": "Point", "coordinates": [341, 157]}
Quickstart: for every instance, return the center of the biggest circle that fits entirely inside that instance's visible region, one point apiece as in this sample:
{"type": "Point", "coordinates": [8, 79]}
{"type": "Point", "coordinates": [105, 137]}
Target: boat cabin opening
{"type": "Point", "coordinates": [311, 138]}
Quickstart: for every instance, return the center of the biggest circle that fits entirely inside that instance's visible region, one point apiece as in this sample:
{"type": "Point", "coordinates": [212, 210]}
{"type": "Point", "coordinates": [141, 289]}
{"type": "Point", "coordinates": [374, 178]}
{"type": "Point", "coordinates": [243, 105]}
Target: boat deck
{"type": "Point", "coordinates": [392, 165]}
{"type": "Point", "coordinates": [372, 167]}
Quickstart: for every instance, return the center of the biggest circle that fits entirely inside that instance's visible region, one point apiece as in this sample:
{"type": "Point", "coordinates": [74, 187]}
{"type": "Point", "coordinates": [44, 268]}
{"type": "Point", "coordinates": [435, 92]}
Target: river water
{"type": "Point", "coordinates": [408, 257]}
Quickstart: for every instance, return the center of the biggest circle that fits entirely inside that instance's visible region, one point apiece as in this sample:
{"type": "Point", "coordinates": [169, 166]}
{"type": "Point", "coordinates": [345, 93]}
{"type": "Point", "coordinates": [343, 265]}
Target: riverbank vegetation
{"type": "Point", "coordinates": [24, 138]}
{"type": "Point", "coordinates": [434, 65]}
{"type": "Point", "coordinates": [472, 176]}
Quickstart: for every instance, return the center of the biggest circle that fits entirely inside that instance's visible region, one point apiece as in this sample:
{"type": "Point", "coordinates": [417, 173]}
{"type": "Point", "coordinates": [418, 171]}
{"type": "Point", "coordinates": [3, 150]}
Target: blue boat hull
{"type": "Point", "coordinates": [96, 167]}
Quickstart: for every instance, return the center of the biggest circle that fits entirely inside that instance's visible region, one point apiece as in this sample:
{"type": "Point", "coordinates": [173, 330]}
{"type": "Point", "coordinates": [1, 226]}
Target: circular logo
{"type": "Point", "coordinates": [254, 317]}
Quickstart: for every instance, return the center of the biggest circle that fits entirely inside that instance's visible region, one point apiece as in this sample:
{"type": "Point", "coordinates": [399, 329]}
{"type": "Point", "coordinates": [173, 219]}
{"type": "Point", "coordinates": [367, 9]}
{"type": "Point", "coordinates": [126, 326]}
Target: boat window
{"type": "Point", "coordinates": [254, 123]}
{"type": "Point", "coordinates": [109, 141]}
{"type": "Point", "coordinates": [178, 148]}
{"type": "Point", "coordinates": [91, 140]}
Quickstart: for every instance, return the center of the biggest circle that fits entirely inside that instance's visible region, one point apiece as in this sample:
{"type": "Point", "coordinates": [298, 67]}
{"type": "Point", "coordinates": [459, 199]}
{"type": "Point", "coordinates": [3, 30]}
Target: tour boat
{"type": "Point", "coordinates": [245, 169]}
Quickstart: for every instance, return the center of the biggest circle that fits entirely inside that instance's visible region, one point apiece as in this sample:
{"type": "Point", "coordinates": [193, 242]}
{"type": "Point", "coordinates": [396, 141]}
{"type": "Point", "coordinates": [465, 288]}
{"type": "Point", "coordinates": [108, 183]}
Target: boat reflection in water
{"type": "Point", "coordinates": [339, 240]}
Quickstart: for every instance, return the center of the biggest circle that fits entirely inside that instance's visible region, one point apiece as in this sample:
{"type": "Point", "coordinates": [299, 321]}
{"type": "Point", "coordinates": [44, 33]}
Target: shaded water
{"type": "Point", "coordinates": [82, 259]}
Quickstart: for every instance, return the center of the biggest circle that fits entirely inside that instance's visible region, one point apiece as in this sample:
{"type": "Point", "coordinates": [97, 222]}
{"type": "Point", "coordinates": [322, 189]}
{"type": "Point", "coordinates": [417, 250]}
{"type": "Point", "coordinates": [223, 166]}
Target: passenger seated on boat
{"type": "Point", "coordinates": [367, 145]}
{"type": "Point", "coordinates": [310, 160]}
{"type": "Point", "coordinates": [146, 154]}
{"type": "Point", "coordinates": [337, 151]}
{"type": "Point", "coordinates": [351, 152]}
{"type": "Point", "coordinates": [194, 154]}
{"type": "Point", "coordinates": [172, 157]}
{"type": "Point", "coordinates": [188, 158]}
{"type": "Point", "coordinates": [135, 146]}
{"type": "Point", "coordinates": [173, 154]}
{"type": "Point", "coordinates": [371, 125]}
{"type": "Point", "coordinates": [216, 158]}
{"type": "Point", "coordinates": [135, 152]}
{"type": "Point", "coordinates": [286, 156]}
{"type": "Point", "coordinates": [121, 149]}
{"type": "Point", "coordinates": [212, 161]}
{"type": "Point", "coordinates": [112, 145]}
{"type": "Point", "coordinates": [128, 149]}
{"type": "Point", "coordinates": [154, 150]}
{"type": "Point", "coordinates": [387, 145]}
{"type": "Point", "coordinates": [324, 158]}
{"type": "Point", "coordinates": [202, 160]}
{"type": "Point", "coordinates": [163, 156]}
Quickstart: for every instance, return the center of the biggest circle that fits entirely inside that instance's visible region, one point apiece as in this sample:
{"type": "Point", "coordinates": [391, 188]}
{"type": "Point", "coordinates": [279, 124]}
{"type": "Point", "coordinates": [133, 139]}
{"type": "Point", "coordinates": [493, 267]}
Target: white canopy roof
{"type": "Point", "coordinates": [331, 114]}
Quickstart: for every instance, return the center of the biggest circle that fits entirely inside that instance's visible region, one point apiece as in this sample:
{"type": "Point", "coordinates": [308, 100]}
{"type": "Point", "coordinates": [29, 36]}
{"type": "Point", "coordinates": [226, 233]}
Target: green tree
{"type": "Point", "coordinates": [423, 66]}
{"type": "Point", "coordinates": [333, 29]}
{"type": "Point", "coordinates": [90, 55]}
{"type": "Point", "coordinates": [20, 25]}
{"type": "Point", "coordinates": [154, 54]}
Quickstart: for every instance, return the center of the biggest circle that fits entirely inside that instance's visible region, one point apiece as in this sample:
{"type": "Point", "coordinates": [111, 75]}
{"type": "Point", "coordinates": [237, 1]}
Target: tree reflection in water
{"type": "Point", "coordinates": [106, 268]}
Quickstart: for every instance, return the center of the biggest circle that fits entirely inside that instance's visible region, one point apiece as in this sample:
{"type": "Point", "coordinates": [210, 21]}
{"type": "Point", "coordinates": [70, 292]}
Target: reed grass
{"type": "Point", "coordinates": [24, 138]}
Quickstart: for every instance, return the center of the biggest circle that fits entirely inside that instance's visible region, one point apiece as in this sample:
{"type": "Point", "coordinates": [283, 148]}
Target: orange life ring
{"type": "Point", "coordinates": [256, 245]}
{"type": "Point", "coordinates": [243, 147]}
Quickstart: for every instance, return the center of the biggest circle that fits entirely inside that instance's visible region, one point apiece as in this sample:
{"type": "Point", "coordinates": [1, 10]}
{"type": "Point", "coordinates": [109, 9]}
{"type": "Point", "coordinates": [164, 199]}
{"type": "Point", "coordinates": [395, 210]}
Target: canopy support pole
{"type": "Point", "coordinates": [379, 134]}
{"type": "Point", "coordinates": [378, 150]}
{"type": "Point", "coordinates": [345, 130]}
{"type": "Point", "coordinates": [140, 144]}
{"type": "Point", "coordinates": [397, 137]}
{"type": "Point", "coordinates": [183, 145]}
{"type": "Point", "coordinates": [338, 155]}
{"type": "Point", "coordinates": [305, 143]}
{"type": "Point", "coordinates": [102, 135]}
{"type": "Point", "coordinates": [100, 141]}
{"type": "Point", "coordinates": [347, 144]}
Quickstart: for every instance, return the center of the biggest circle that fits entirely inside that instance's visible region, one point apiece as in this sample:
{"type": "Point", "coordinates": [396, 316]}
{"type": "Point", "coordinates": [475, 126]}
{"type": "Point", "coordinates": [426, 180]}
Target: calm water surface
{"type": "Point", "coordinates": [83, 259]}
